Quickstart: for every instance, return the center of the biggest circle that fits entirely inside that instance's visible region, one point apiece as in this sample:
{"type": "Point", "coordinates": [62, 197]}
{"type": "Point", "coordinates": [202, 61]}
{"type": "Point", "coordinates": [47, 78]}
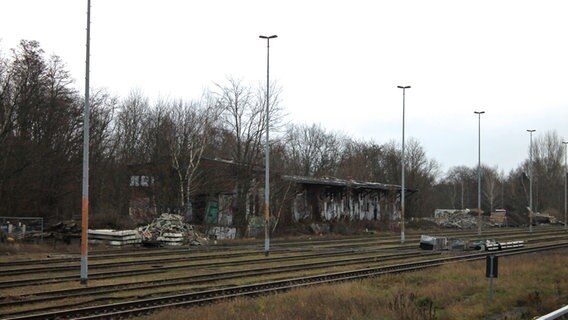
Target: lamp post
{"type": "Point", "coordinates": [479, 113]}
{"type": "Point", "coordinates": [565, 184]}
{"type": "Point", "coordinates": [85, 187]}
{"type": "Point", "coordinates": [402, 189]}
{"type": "Point", "coordinates": [530, 131]}
{"type": "Point", "coordinates": [267, 151]}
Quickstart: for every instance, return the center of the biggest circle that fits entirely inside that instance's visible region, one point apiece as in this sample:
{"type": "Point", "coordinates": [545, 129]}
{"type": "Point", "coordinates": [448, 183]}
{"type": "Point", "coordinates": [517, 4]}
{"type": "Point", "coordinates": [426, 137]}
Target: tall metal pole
{"type": "Point", "coordinates": [530, 131]}
{"type": "Point", "coordinates": [267, 152]}
{"type": "Point", "coordinates": [479, 221]}
{"type": "Point", "coordinates": [85, 195]}
{"type": "Point", "coordinates": [402, 189]}
{"type": "Point", "coordinates": [565, 185]}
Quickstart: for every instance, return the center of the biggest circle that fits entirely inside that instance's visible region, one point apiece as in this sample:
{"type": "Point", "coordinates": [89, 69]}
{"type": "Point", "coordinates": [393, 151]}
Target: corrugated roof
{"type": "Point", "coordinates": [331, 181]}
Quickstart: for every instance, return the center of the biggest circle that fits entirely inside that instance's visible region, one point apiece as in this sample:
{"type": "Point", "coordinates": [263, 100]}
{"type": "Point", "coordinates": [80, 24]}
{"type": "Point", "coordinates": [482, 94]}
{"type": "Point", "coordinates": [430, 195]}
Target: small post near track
{"type": "Point", "coordinates": [491, 271]}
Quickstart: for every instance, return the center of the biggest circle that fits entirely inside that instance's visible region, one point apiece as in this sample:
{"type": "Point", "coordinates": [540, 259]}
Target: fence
{"type": "Point", "coordinates": [19, 227]}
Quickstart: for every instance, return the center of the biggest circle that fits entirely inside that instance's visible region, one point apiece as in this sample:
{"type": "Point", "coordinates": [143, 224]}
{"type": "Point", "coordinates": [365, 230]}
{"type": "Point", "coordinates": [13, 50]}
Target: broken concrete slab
{"type": "Point", "coordinates": [114, 237]}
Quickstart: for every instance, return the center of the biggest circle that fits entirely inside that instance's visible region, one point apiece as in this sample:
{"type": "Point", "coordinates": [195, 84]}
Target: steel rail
{"type": "Point", "coordinates": [202, 278]}
{"type": "Point", "coordinates": [161, 268]}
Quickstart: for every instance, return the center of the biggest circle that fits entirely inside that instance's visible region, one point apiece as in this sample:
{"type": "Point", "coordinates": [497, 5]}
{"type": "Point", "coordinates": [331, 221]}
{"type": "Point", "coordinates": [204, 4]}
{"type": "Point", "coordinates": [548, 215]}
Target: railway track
{"type": "Point", "coordinates": [212, 277]}
{"type": "Point", "coordinates": [148, 305]}
{"type": "Point", "coordinates": [61, 274]}
{"type": "Point", "coordinates": [183, 270]}
{"type": "Point", "coordinates": [50, 279]}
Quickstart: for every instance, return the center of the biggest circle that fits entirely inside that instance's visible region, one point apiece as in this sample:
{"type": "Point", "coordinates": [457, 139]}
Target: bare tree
{"type": "Point", "coordinates": [314, 151]}
{"type": "Point", "coordinates": [132, 114]}
{"type": "Point", "coordinates": [422, 174]}
{"type": "Point", "coordinates": [7, 109]}
{"type": "Point", "coordinates": [39, 125]}
{"type": "Point", "coordinates": [547, 171]}
{"type": "Point", "coordinates": [7, 118]}
{"type": "Point", "coordinates": [244, 116]}
{"type": "Point", "coordinates": [464, 183]}
{"type": "Point", "coordinates": [491, 181]}
{"type": "Point", "coordinates": [389, 163]}
{"type": "Point", "coordinates": [360, 160]}
{"type": "Point", "coordinates": [108, 191]}
{"type": "Point", "coordinates": [191, 128]}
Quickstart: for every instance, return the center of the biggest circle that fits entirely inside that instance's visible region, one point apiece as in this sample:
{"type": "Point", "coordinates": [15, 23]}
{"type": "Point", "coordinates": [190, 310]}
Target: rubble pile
{"type": "Point", "coordinates": [64, 231]}
{"type": "Point", "coordinates": [169, 229]}
{"type": "Point", "coordinates": [319, 228]}
{"type": "Point", "coordinates": [460, 219]}
{"type": "Point", "coordinates": [68, 227]}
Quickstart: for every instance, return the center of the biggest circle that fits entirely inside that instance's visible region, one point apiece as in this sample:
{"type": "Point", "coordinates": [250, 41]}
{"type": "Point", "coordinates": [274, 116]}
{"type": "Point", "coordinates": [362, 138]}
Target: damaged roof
{"type": "Point", "coordinates": [331, 181]}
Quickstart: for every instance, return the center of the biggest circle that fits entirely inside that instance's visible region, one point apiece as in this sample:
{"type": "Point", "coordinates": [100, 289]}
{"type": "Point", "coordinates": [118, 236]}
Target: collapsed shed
{"type": "Point", "coordinates": [329, 199]}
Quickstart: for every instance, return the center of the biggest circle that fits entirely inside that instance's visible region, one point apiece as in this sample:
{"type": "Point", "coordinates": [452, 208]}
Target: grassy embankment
{"type": "Point", "coordinates": [527, 286]}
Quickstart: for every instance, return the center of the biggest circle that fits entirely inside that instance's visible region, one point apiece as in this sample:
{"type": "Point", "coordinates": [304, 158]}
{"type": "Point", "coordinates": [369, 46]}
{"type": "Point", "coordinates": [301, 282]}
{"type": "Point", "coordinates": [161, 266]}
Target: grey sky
{"type": "Point", "coordinates": [338, 62]}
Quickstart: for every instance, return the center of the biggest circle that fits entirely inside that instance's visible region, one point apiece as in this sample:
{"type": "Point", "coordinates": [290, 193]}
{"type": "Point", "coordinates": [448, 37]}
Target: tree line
{"type": "Point", "coordinates": [41, 123]}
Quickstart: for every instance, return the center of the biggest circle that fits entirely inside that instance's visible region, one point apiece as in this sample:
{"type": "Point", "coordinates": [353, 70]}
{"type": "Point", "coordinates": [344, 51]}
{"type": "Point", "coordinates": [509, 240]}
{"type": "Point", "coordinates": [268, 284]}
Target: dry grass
{"type": "Point", "coordinates": [527, 286]}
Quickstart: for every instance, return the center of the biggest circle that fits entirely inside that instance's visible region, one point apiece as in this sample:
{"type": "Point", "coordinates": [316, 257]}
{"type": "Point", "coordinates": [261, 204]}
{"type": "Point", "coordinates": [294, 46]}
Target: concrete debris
{"type": "Point", "coordinates": [170, 229]}
{"type": "Point", "coordinates": [442, 243]}
{"type": "Point", "coordinates": [504, 245]}
{"type": "Point", "coordinates": [114, 237]}
{"type": "Point", "coordinates": [319, 228]}
{"type": "Point", "coordinates": [543, 218]}
{"type": "Point", "coordinates": [66, 231]}
{"type": "Point", "coordinates": [69, 227]}
{"type": "Point", "coordinates": [492, 245]}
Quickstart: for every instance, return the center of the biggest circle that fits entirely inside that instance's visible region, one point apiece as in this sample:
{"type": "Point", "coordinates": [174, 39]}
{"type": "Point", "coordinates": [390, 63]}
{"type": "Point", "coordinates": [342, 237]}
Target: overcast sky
{"type": "Point", "coordinates": [338, 62]}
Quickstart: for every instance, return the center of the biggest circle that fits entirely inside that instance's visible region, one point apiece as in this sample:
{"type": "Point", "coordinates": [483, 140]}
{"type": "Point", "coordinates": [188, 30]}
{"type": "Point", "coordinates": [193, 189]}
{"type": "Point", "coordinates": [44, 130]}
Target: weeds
{"type": "Point", "coordinates": [456, 291]}
{"type": "Point", "coordinates": [410, 306]}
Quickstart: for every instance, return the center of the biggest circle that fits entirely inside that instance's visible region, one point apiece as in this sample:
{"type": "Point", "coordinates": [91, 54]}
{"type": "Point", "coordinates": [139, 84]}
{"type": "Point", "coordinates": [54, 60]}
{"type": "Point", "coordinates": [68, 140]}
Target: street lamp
{"type": "Point", "coordinates": [530, 131]}
{"type": "Point", "coordinates": [479, 113]}
{"type": "Point", "coordinates": [403, 189]}
{"type": "Point", "coordinates": [84, 273]}
{"type": "Point", "coordinates": [267, 151]}
{"type": "Point", "coordinates": [565, 185]}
